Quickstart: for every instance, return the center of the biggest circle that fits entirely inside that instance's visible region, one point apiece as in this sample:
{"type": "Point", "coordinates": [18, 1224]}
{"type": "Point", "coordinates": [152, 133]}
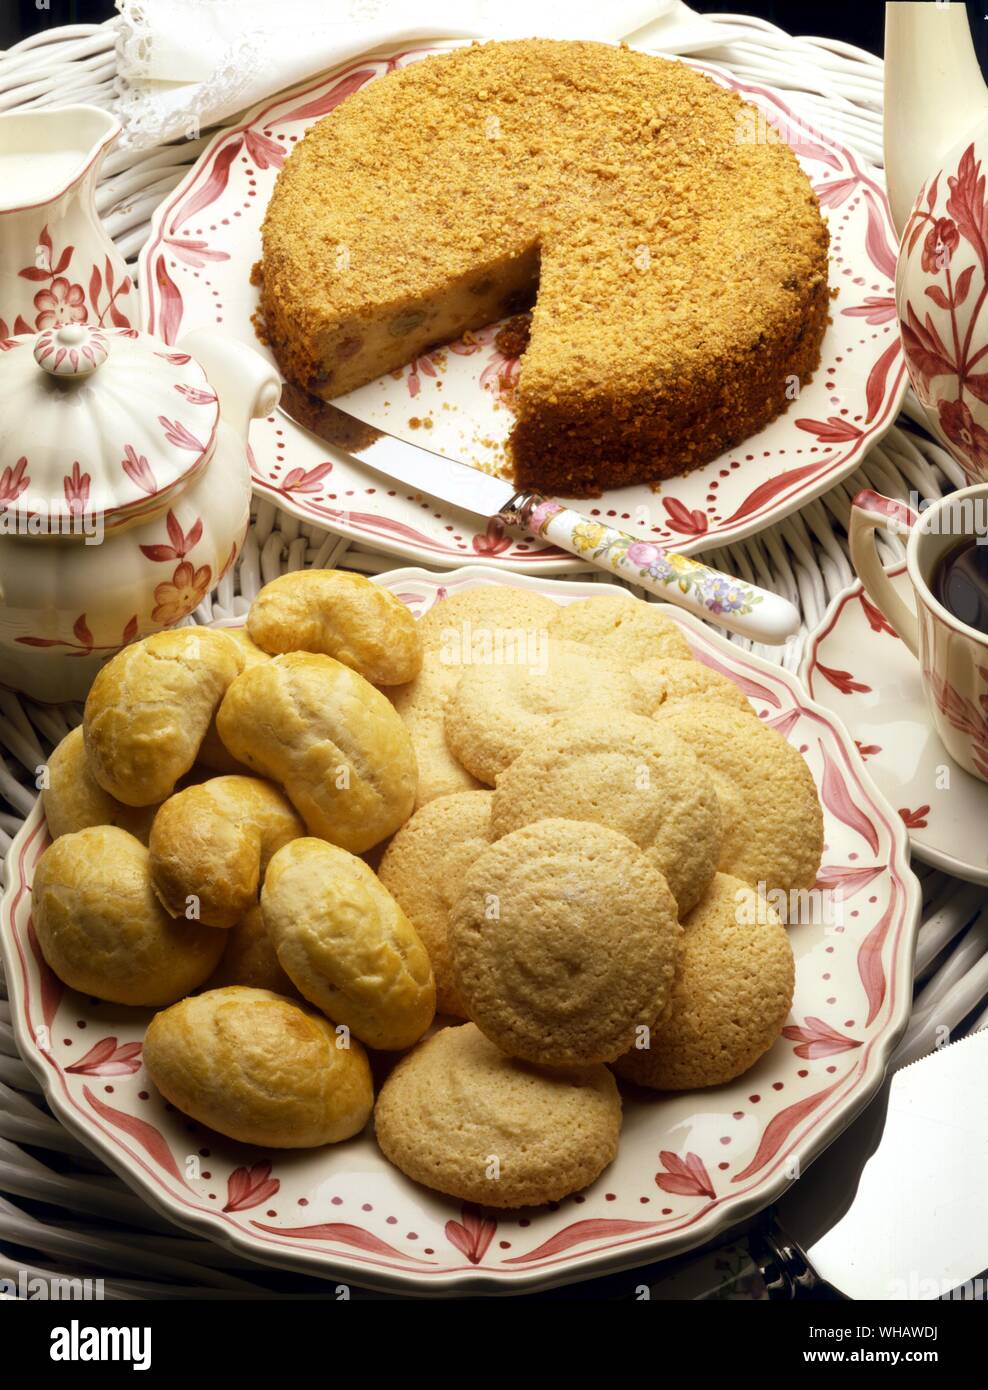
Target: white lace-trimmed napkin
{"type": "Point", "coordinates": [184, 65]}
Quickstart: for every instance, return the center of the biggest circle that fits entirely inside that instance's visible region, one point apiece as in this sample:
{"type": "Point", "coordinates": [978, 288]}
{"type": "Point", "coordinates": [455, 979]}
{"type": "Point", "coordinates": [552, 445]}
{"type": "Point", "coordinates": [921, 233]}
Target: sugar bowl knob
{"type": "Point", "coordinates": [72, 351]}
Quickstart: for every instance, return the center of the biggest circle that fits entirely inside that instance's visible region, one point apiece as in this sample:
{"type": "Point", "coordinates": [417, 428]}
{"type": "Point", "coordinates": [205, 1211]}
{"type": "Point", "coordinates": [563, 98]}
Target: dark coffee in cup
{"type": "Point", "coordinates": [960, 582]}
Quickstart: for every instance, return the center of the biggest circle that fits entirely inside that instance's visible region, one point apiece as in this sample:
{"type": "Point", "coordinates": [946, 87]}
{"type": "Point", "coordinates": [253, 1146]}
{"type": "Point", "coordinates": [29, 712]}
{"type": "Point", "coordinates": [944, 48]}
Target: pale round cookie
{"type": "Point", "coordinates": [460, 1117]}
{"type": "Point", "coordinates": [625, 772]}
{"type": "Point", "coordinates": [422, 707]}
{"type": "Point", "coordinates": [423, 869]}
{"type": "Point", "coordinates": [677, 680]}
{"type": "Point", "coordinates": [456, 628]}
{"type": "Point", "coordinates": [564, 941]}
{"type": "Point", "coordinates": [773, 824]}
{"type": "Point", "coordinates": [497, 712]}
{"type": "Point", "coordinates": [732, 994]}
{"type": "Point", "coordinates": [635, 631]}
{"type": "Point", "coordinates": [454, 624]}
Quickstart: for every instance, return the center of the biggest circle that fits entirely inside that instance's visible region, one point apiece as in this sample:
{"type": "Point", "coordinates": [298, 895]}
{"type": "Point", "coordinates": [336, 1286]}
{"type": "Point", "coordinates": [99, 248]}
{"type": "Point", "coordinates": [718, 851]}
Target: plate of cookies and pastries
{"type": "Point", "coordinates": [456, 933]}
{"type": "Point", "coordinates": [713, 341]}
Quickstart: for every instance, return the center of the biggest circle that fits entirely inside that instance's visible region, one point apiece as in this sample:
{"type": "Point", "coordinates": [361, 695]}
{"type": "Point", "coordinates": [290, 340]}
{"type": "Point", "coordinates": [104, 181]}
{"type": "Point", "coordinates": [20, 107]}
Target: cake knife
{"type": "Point", "coordinates": [732, 603]}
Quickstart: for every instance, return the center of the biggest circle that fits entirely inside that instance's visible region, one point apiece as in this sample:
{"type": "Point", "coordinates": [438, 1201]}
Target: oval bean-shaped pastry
{"type": "Point", "coordinates": [150, 706]}
{"type": "Point", "coordinates": [342, 615]}
{"type": "Point", "coordinates": [212, 753]}
{"type": "Point", "coordinates": [333, 741]}
{"type": "Point", "coordinates": [346, 944]}
{"type": "Point", "coordinates": [212, 843]}
{"type": "Point", "coordinates": [102, 929]}
{"type": "Point", "coordinates": [250, 959]}
{"type": "Point", "coordinates": [73, 799]}
{"type": "Point", "coordinates": [260, 1068]}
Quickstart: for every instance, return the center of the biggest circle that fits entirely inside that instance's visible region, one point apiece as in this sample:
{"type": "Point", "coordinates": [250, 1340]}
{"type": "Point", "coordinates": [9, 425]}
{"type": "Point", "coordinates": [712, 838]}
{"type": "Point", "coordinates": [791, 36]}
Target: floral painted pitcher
{"type": "Point", "coordinates": [58, 266]}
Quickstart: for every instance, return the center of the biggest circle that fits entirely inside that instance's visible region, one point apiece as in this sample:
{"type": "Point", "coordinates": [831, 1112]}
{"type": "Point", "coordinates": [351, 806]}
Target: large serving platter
{"type": "Point", "coordinates": [690, 1165]}
{"type": "Point", "coordinates": [195, 272]}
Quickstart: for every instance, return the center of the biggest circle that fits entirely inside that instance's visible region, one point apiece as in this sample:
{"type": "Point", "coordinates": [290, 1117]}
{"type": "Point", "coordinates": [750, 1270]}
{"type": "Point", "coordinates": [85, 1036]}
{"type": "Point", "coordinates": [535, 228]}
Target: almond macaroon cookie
{"type": "Point", "coordinates": [623, 771]}
{"type": "Point", "coordinates": [423, 869]}
{"type": "Point", "coordinates": [455, 631]}
{"type": "Point", "coordinates": [678, 680]}
{"type": "Point", "coordinates": [631, 630]}
{"type": "Point", "coordinates": [459, 1116]}
{"type": "Point", "coordinates": [732, 995]}
{"type": "Point", "coordinates": [497, 712]}
{"type": "Point", "coordinates": [564, 941]}
{"type": "Point", "coordinates": [773, 824]}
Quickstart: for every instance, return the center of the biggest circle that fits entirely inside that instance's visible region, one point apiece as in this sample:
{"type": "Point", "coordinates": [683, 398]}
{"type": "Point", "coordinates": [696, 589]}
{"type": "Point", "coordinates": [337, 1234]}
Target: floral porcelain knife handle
{"type": "Point", "coordinates": [734, 604]}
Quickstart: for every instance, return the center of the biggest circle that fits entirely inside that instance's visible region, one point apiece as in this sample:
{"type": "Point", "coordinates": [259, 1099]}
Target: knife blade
{"type": "Point", "coordinates": [898, 1210]}
{"type": "Point", "coordinates": [726, 600]}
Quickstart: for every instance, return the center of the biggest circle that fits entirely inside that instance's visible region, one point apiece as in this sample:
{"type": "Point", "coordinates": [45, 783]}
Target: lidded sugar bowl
{"type": "Point", "coordinates": [124, 490]}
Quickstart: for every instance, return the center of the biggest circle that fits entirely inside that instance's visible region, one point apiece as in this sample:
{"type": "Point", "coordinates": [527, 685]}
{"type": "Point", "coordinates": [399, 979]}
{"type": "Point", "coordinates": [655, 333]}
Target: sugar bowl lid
{"type": "Point", "coordinates": [98, 422]}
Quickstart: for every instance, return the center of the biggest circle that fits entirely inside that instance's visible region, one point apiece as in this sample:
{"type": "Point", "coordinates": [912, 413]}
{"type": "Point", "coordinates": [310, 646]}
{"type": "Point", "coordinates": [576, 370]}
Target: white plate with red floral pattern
{"type": "Point", "coordinates": [195, 273]}
{"type": "Point", "coordinates": [855, 665]}
{"type": "Point", "coordinates": [689, 1165]}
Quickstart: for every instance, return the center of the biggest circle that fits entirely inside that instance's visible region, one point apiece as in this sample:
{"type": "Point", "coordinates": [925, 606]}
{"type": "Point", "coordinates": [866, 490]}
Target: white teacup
{"type": "Point", "coordinates": [953, 657]}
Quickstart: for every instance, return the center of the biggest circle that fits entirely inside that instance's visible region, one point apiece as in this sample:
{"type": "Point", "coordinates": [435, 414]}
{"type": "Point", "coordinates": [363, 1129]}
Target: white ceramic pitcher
{"type": "Point", "coordinates": [58, 266]}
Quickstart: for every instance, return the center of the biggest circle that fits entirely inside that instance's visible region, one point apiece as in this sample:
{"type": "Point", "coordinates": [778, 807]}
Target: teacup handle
{"type": "Point", "coordinates": [871, 512]}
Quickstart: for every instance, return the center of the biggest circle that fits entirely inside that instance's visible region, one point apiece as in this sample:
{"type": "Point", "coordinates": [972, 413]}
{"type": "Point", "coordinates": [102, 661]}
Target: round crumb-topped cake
{"type": "Point", "coordinates": [677, 265]}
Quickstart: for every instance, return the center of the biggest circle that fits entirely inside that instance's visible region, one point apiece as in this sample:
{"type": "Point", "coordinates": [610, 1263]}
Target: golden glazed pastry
{"type": "Point", "coordinates": [212, 754]}
{"type": "Point", "coordinates": [622, 771]}
{"type": "Point", "coordinates": [732, 994]}
{"type": "Point", "coordinates": [496, 712]}
{"type": "Point", "coordinates": [103, 931]}
{"type": "Point", "coordinates": [485, 615]}
{"type": "Point", "coordinates": [680, 263]}
{"type": "Point", "coordinates": [341, 615]}
{"type": "Point", "coordinates": [149, 708]}
{"type": "Point", "coordinates": [424, 867]}
{"type": "Point", "coordinates": [564, 941]}
{"type": "Point", "coordinates": [773, 824]}
{"type": "Point", "coordinates": [346, 944]}
{"type": "Point", "coordinates": [250, 958]}
{"type": "Point", "coordinates": [459, 1116]}
{"type": "Point", "coordinates": [210, 845]}
{"type": "Point", "coordinates": [327, 736]}
{"type": "Point", "coordinates": [73, 799]}
{"type": "Point", "coordinates": [259, 1068]}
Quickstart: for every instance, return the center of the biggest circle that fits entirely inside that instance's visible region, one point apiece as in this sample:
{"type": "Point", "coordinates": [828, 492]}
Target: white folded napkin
{"type": "Point", "coordinates": [184, 65]}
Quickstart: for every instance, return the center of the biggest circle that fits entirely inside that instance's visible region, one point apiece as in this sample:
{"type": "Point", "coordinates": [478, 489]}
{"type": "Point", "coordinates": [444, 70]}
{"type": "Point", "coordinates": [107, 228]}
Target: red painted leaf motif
{"type": "Point", "coordinates": [877, 620]}
{"type": "Point", "coordinates": [330, 100]}
{"type": "Point", "coordinates": [784, 723]}
{"type": "Point", "coordinates": [81, 630]}
{"type": "Point", "coordinates": [298, 480]}
{"type": "Point", "coordinates": [881, 254]}
{"type": "Point", "coordinates": [13, 481]}
{"type": "Point", "coordinates": [926, 353]}
{"type": "Point", "coordinates": [818, 1039]}
{"type": "Point", "coordinates": [843, 881]}
{"type": "Point", "coordinates": [842, 680]}
{"type": "Point", "coordinates": [915, 820]}
{"type": "Point", "coordinates": [870, 966]}
{"type": "Point", "coordinates": [867, 749]}
{"type": "Point", "coordinates": [129, 632]}
{"type": "Point", "coordinates": [875, 309]}
{"type": "Point", "coordinates": [831, 195]}
{"type": "Point", "coordinates": [472, 1235]}
{"type": "Point", "coordinates": [578, 1234]}
{"type": "Point", "coordinates": [344, 1234]}
{"type": "Point", "coordinates": [177, 434]}
{"type": "Point", "coordinates": [149, 1138]}
{"type": "Point", "coordinates": [108, 1058]}
{"type": "Point", "coordinates": [52, 988]}
{"type": "Point", "coordinates": [935, 293]}
{"type": "Point", "coordinates": [249, 1187]}
{"type": "Point", "coordinates": [770, 489]}
{"type": "Point", "coordinates": [216, 182]}
{"type": "Point", "coordinates": [266, 154]}
{"type": "Point", "coordinates": [682, 519]}
{"type": "Point", "coordinates": [931, 192]}
{"type": "Point", "coordinates": [494, 540]}
{"type": "Point", "coordinates": [779, 1128]}
{"type": "Point", "coordinates": [95, 286]}
{"type": "Point", "coordinates": [966, 203]}
{"type": "Point", "coordinates": [63, 260]}
{"type": "Point", "coordinates": [963, 285]}
{"type": "Point", "coordinates": [34, 272]}
{"type": "Point", "coordinates": [833, 430]}
{"type": "Point", "coordinates": [875, 389]}
{"type": "Point", "coordinates": [688, 1177]}
{"type": "Point", "coordinates": [171, 302]}
{"type": "Point", "coordinates": [977, 385]}
{"type": "Point", "coordinates": [834, 794]}
{"type": "Point", "coordinates": [138, 470]}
